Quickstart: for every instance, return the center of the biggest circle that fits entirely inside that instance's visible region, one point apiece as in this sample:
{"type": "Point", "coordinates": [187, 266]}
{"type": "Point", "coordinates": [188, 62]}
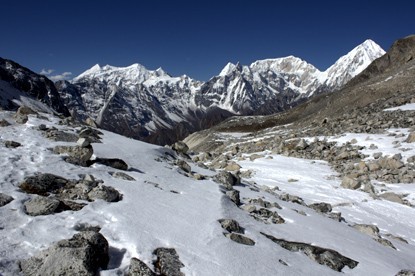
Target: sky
{"type": "Point", "coordinates": [63, 38]}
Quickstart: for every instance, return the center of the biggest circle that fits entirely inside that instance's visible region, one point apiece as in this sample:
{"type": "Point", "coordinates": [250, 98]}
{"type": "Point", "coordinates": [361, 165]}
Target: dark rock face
{"type": "Point", "coordinates": [168, 262]}
{"type": "Point", "coordinates": [34, 85]}
{"type": "Point", "coordinates": [323, 256]}
{"type": "Point", "coordinates": [83, 254]}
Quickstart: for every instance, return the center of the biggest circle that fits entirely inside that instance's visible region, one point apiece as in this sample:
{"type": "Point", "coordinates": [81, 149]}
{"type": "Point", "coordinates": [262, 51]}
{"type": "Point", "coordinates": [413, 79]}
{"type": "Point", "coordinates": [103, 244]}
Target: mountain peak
{"type": "Point", "coordinates": [228, 69]}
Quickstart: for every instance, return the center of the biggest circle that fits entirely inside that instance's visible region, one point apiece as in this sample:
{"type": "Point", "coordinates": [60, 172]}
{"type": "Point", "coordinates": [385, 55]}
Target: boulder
{"type": "Point", "coordinates": [4, 123]}
{"type": "Point", "coordinates": [234, 196]}
{"type": "Point", "coordinates": [349, 182]}
{"type": "Point", "coordinates": [59, 135]}
{"type": "Point", "coordinates": [12, 144]}
{"type": "Point", "coordinates": [184, 166]}
{"type": "Point", "coordinates": [393, 163]}
{"type": "Point", "coordinates": [106, 193]}
{"type": "Point", "coordinates": [91, 134]}
{"type": "Point", "coordinates": [168, 262]}
{"type": "Point", "coordinates": [139, 268]}
{"type": "Point", "coordinates": [392, 197]}
{"type": "Point", "coordinates": [40, 205]}
{"type": "Point", "coordinates": [122, 175]}
{"type": "Point", "coordinates": [43, 184]}
{"type": "Point", "coordinates": [239, 238]}
{"type": "Point", "coordinates": [232, 166]}
{"type": "Point", "coordinates": [84, 254]}
{"type": "Point", "coordinates": [83, 142]}
{"type": "Point", "coordinates": [180, 147]}
{"type": "Point", "coordinates": [227, 179]}
{"type": "Point", "coordinates": [321, 207]}
{"type": "Point", "coordinates": [5, 199]}
{"type": "Point", "coordinates": [112, 162]}
{"type": "Point", "coordinates": [77, 155]}
{"type": "Point", "coordinates": [405, 272]}
{"type": "Point", "coordinates": [410, 138]}
{"type": "Point", "coordinates": [323, 256]}
{"type": "Point", "coordinates": [230, 225]}
{"type": "Point", "coordinates": [368, 229]}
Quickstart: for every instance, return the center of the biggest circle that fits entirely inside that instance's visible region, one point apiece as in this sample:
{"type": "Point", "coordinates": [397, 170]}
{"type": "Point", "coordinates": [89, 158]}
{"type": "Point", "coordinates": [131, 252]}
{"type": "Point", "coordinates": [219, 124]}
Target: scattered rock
{"type": "Point", "coordinates": [349, 182]}
{"type": "Point", "coordinates": [292, 198]}
{"type": "Point", "coordinates": [183, 165]}
{"type": "Point", "coordinates": [234, 196]}
{"type": "Point", "coordinates": [232, 166]}
{"type": "Point", "coordinates": [323, 256]}
{"type": "Point", "coordinates": [139, 268]}
{"type": "Point", "coordinates": [4, 123]}
{"type": "Point", "coordinates": [106, 193]}
{"type": "Point", "coordinates": [230, 225]}
{"type": "Point", "coordinates": [410, 138]}
{"type": "Point", "coordinates": [76, 155]}
{"type": "Point", "coordinates": [238, 238]}
{"type": "Point", "coordinates": [180, 147]}
{"type": "Point", "coordinates": [392, 197]}
{"type": "Point", "coordinates": [168, 262]}
{"type": "Point", "coordinates": [321, 207]}
{"type": "Point", "coordinates": [84, 254]}
{"type": "Point", "coordinates": [122, 175]}
{"type": "Point", "coordinates": [41, 205]}
{"type": "Point", "coordinates": [5, 199]}
{"type": "Point", "coordinates": [112, 162]}
{"type": "Point", "coordinates": [368, 229]}
{"type": "Point", "coordinates": [12, 144]}
{"type": "Point", "coordinates": [227, 179]}
{"type": "Point", "coordinates": [83, 142]}
{"type": "Point", "coordinates": [43, 184]}
{"type": "Point", "coordinates": [405, 272]}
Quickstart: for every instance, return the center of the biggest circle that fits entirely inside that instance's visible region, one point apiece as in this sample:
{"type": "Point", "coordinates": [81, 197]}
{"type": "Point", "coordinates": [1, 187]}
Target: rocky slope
{"type": "Point", "coordinates": [18, 83]}
{"type": "Point", "coordinates": [153, 106]}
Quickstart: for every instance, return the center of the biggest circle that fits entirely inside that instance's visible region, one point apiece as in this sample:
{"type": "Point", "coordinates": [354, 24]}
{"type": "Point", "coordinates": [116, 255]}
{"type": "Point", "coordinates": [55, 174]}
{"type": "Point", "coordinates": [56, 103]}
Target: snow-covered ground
{"type": "Point", "coordinates": [182, 213]}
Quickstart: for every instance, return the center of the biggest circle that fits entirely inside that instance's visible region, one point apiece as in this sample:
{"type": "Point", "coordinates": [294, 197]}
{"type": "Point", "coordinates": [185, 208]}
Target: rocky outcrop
{"type": "Point", "coordinates": [43, 184]}
{"type": "Point", "coordinates": [138, 268]}
{"type": "Point", "coordinates": [239, 238]}
{"type": "Point", "coordinates": [323, 256]}
{"type": "Point", "coordinates": [84, 254]}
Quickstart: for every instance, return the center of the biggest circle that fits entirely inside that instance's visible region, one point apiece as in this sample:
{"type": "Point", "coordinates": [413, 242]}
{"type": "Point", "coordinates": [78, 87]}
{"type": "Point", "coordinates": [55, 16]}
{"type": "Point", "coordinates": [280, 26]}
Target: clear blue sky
{"type": "Point", "coordinates": [196, 38]}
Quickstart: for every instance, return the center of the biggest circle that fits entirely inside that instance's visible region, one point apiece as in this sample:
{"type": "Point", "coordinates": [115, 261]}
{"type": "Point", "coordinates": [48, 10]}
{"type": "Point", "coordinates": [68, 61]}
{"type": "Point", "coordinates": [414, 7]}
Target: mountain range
{"type": "Point", "coordinates": [153, 106]}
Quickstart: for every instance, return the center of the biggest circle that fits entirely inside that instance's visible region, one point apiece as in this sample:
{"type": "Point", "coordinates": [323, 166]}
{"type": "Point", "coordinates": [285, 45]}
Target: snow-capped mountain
{"type": "Point", "coordinates": [140, 103]}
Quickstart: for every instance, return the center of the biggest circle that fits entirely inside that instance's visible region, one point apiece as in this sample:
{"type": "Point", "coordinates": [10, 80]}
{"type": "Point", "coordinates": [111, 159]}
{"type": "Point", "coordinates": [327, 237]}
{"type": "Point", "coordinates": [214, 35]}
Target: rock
{"type": "Point", "coordinates": [168, 262]}
{"type": "Point", "coordinates": [405, 272]}
{"type": "Point", "coordinates": [83, 142]}
{"type": "Point", "coordinates": [374, 167]}
{"type": "Point", "coordinates": [184, 166]}
{"type": "Point", "coordinates": [323, 256]}
{"type": "Point", "coordinates": [112, 162]}
{"type": "Point", "coordinates": [91, 134]}
{"type": "Point", "coordinates": [43, 184]}
{"type": "Point", "coordinates": [292, 198]}
{"type": "Point", "coordinates": [84, 254]}
{"type": "Point", "coordinates": [42, 127]}
{"type": "Point", "coordinates": [232, 166]}
{"type": "Point", "coordinates": [25, 110]}
{"type": "Point", "coordinates": [90, 122]}
{"type": "Point", "coordinates": [392, 197]}
{"type": "Point", "coordinates": [255, 156]}
{"type": "Point", "coordinates": [227, 179]}
{"type": "Point", "coordinates": [106, 193]}
{"type": "Point", "coordinates": [377, 155]}
{"type": "Point", "coordinates": [238, 238]}
{"type": "Point", "coordinates": [12, 144]}
{"type": "Point", "coordinates": [368, 229]}
{"type": "Point", "coordinates": [321, 207]}
{"type": "Point", "coordinates": [41, 205]}
{"type": "Point", "coordinates": [139, 268]}
{"type": "Point", "coordinates": [385, 242]}
{"type": "Point", "coordinates": [180, 147]}
{"type": "Point", "coordinates": [234, 196]}
{"type": "Point", "coordinates": [122, 175]}
{"type": "Point", "coordinates": [77, 155]}
{"type": "Point", "coordinates": [230, 225]}
{"type": "Point", "coordinates": [4, 123]}
{"type": "Point", "coordinates": [353, 141]}
{"type": "Point", "coordinates": [5, 199]}
{"type": "Point", "coordinates": [302, 144]}
{"type": "Point", "coordinates": [391, 163]}
{"type": "Point", "coordinates": [350, 183]}
{"type": "Point", "coordinates": [59, 135]}
{"type": "Point", "coordinates": [410, 138]}
{"type": "Point", "coordinates": [249, 208]}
